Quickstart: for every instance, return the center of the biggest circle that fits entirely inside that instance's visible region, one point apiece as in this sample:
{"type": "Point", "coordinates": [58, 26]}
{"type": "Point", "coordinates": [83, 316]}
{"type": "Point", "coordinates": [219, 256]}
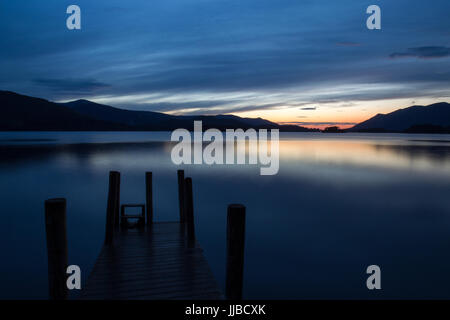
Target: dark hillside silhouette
{"type": "Point", "coordinates": [408, 120]}
{"type": "Point", "coordinates": [154, 121]}
{"type": "Point", "coordinates": [23, 113]}
{"type": "Point", "coordinates": [19, 112]}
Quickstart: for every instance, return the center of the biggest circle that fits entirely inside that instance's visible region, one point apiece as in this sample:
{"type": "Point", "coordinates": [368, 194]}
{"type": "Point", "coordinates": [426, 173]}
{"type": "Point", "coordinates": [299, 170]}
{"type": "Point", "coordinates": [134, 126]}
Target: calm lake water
{"type": "Point", "coordinates": [338, 204]}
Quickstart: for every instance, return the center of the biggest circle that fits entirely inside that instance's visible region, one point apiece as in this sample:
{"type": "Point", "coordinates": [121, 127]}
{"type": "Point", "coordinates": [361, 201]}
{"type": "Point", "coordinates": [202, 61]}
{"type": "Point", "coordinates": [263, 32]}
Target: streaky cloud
{"type": "Point", "coordinates": [432, 52]}
{"type": "Point", "coordinates": [71, 85]}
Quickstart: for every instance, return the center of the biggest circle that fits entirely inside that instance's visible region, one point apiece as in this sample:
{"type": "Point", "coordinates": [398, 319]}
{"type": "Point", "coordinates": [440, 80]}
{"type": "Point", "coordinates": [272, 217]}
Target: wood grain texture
{"type": "Point", "coordinates": [154, 262]}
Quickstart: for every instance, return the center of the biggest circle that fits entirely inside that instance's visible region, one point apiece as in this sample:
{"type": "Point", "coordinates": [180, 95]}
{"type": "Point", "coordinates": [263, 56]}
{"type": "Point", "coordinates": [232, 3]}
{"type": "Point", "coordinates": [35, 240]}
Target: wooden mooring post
{"type": "Point", "coordinates": [181, 195]}
{"type": "Point", "coordinates": [55, 227]}
{"type": "Point", "coordinates": [112, 209]}
{"type": "Point", "coordinates": [235, 251]}
{"type": "Point", "coordinates": [149, 197]}
{"type": "Point", "coordinates": [116, 199]}
{"type": "Point", "coordinates": [121, 273]}
{"type": "Point", "coordinates": [189, 210]}
{"type": "Point", "coordinates": [159, 261]}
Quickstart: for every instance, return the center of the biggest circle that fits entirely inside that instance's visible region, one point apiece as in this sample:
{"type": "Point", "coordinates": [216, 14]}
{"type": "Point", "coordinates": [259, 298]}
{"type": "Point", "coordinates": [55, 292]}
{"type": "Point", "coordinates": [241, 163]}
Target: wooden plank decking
{"type": "Point", "coordinates": [154, 262]}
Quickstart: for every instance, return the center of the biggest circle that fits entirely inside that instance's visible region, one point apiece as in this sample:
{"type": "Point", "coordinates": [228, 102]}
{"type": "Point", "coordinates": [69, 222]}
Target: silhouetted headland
{"type": "Point", "coordinates": [434, 118]}
{"type": "Point", "coordinates": [24, 113]}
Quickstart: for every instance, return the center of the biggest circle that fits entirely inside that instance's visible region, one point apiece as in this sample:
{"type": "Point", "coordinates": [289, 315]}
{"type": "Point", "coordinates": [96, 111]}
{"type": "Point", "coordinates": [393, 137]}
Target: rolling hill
{"type": "Point", "coordinates": [20, 112]}
{"type": "Point", "coordinates": [147, 120]}
{"type": "Point", "coordinates": [434, 118]}
{"type": "Point", "coordinates": [23, 113]}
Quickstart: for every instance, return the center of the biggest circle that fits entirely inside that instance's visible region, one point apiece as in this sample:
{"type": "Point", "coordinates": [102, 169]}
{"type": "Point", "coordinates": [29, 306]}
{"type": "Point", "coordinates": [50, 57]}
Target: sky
{"type": "Point", "coordinates": [311, 62]}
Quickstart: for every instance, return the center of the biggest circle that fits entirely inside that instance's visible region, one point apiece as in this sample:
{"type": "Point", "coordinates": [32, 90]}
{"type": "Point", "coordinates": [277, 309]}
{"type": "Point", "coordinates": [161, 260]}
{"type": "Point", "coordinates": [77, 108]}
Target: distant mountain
{"type": "Point", "coordinates": [147, 120]}
{"type": "Point", "coordinates": [137, 119]}
{"type": "Point", "coordinates": [19, 112]}
{"type": "Point", "coordinates": [434, 118]}
{"type": "Point", "coordinates": [154, 121]}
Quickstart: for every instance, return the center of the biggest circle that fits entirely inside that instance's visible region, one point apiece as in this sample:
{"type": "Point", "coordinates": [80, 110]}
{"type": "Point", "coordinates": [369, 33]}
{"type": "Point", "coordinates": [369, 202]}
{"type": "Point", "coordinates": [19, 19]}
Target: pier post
{"type": "Point", "coordinates": [181, 195]}
{"type": "Point", "coordinates": [55, 226]}
{"type": "Point", "coordinates": [149, 197]}
{"type": "Point", "coordinates": [235, 251]}
{"type": "Point", "coordinates": [117, 200]}
{"type": "Point", "coordinates": [112, 209]}
{"type": "Point", "coordinates": [189, 210]}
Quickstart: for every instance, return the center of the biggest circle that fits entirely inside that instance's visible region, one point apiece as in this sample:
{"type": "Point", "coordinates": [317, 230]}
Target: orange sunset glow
{"type": "Point", "coordinates": [342, 115]}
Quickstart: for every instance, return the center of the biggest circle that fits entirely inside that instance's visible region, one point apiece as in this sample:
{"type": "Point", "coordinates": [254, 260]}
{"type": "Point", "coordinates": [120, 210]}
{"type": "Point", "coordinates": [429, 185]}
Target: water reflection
{"type": "Point", "coordinates": [429, 155]}
{"type": "Point", "coordinates": [434, 157]}
{"type": "Point", "coordinates": [338, 204]}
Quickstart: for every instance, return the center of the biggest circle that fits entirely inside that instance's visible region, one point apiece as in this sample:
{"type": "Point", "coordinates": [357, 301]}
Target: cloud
{"type": "Point", "coordinates": [201, 106]}
{"type": "Point", "coordinates": [308, 108]}
{"type": "Point", "coordinates": [230, 56]}
{"type": "Point", "coordinates": [432, 52]}
{"type": "Point", "coordinates": [348, 44]}
{"type": "Point", "coordinates": [80, 86]}
{"type": "Point", "coordinates": [250, 107]}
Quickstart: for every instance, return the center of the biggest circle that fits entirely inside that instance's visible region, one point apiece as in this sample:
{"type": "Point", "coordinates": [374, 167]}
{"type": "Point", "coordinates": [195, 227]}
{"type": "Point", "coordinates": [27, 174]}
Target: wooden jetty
{"type": "Point", "coordinates": [141, 259]}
